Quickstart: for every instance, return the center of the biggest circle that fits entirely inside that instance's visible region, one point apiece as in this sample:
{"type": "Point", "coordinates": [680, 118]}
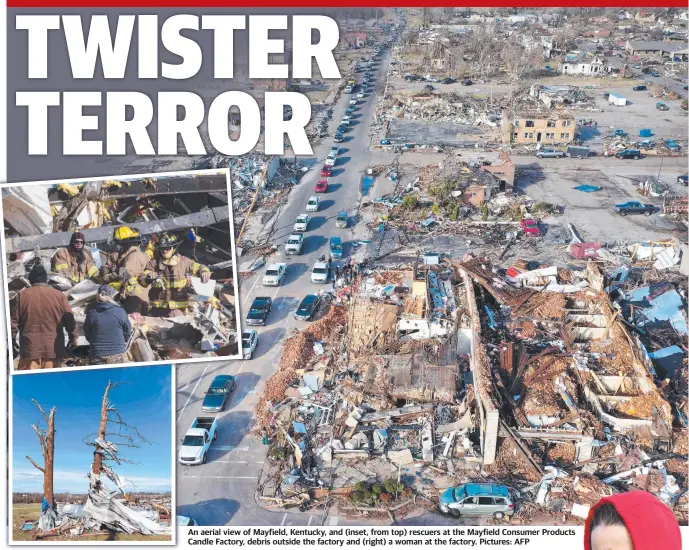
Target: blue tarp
{"type": "Point", "coordinates": [588, 188]}
{"type": "Point", "coordinates": [491, 318]}
{"type": "Point", "coordinates": [366, 185]}
{"type": "Point", "coordinates": [667, 307]}
{"type": "Point", "coordinates": [668, 360]}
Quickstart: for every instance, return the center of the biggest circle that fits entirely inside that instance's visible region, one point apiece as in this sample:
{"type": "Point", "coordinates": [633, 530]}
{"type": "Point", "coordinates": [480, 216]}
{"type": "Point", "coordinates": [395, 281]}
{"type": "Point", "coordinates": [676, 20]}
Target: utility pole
{"type": "Point", "coordinates": [264, 174]}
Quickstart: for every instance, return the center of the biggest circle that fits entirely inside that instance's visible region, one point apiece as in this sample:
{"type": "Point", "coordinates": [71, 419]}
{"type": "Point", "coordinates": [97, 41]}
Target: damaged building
{"type": "Point", "coordinates": [446, 372]}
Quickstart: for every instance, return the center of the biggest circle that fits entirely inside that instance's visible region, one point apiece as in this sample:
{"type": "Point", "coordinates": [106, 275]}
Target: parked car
{"type": "Point", "coordinates": [249, 343]}
{"type": "Point", "coordinates": [467, 82]}
{"type": "Point", "coordinates": [347, 119]}
{"type": "Point", "coordinates": [274, 274]}
{"type": "Point", "coordinates": [646, 144]}
{"type": "Point", "coordinates": [334, 150]}
{"type": "Point", "coordinates": [294, 243]}
{"type": "Point", "coordinates": [197, 441]}
{"type": "Point", "coordinates": [349, 112]}
{"type": "Point", "coordinates": [342, 219]}
{"type": "Point", "coordinates": [549, 153]}
{"type": "Point", "coordinates": [330, 160]}
{"type": "Point", "coordinates": [530, 227]}
{"type": "Point", "coordinates": [339, 137]}
{"type": "Point", "coordinates": [654, 74]}
{"type": "Point", "coordinates": [259, 311]}
{"type": "Point", "coordinates": [312, 204]}
{"type": "Point", "coordinates": [336, 248]}
{"type": "Point", "coordinates": [683, 179]}
{"type": "Point", "coordinates": [662, 107]}
{"type": "Point", "coordinates": [672, 145]}
{"type": "Point", "coordinates": [645, 70]}
{"type": "Point", "coordinates": [477, 499]}
{"type": "Point", "coordinates": [322, 186]}
{"type": "Point", "coordinates": [307, 307]}
{"type": "Point", "coordinates": [326, 171]}
{"type": "Point", "coordinates": [217, 393]}
{"type": "Point", "coordinates": [578, 152]}
{"type": "Point", "coordinates": [360, 95]}
{"type": "Point", "coordinates": [320, 272]}
{"type": "Point", "coordinates": [634, 207]}
{"type": "Point", "coordinates": [302, 223]}
{"type": "Point", "coordinates": [639, 88]}
{"type": "Point", "coordinates": [628, 154]}
{"type": "Point", "coordinates": [348, 89]}
{"type": "Point", "coordinates": [353, 102]}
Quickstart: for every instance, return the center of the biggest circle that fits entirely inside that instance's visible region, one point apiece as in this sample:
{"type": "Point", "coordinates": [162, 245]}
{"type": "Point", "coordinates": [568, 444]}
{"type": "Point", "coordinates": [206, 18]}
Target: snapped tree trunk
{"type": "Point", "coordinates": [97, 456]}
{"type": "Point", "coordinates": [47, 440]}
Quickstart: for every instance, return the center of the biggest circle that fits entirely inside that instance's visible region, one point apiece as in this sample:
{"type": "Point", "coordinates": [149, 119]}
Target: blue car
{"type": "Point", "coordinates": [336, 248]}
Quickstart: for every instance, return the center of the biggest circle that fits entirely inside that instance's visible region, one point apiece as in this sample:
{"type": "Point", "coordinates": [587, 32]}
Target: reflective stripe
{"type": "Point", "coordinates": [116, 285]}
{"type": "Point", "coordinates": [93, 271]}
{"type": "Point", "coordinates": [61, 266]}
{"type": "Point", "coordinates": [179, 283]}
{"type": "Point", "coordinates": [169, 305]}
{"type": "Point", "coordinates": [196, 269]}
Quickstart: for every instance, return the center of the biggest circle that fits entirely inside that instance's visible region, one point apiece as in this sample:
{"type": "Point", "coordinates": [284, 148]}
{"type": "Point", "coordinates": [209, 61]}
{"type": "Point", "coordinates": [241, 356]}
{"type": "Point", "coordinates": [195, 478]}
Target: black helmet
{"type": "Point", "coordinates": [167, 241]}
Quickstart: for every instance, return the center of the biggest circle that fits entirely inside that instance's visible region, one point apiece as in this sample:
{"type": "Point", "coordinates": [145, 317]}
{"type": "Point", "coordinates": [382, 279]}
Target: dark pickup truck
{"type": "Point", "coordinates": [259, 311]}
{"type": "Point", "coordinates": [634, 207]}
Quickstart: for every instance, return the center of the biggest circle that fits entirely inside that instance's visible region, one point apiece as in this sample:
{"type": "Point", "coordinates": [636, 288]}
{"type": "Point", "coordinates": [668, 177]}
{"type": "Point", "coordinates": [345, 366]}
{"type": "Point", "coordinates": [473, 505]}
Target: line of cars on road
{"type": "Point", "coordinates": [322, 270]}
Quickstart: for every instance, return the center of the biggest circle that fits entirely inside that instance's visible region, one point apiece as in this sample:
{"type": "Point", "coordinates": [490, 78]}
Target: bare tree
{"type": "Point", "coordinates": [113, 432]}
{"type": "Point", "coordinates": [47, 438]}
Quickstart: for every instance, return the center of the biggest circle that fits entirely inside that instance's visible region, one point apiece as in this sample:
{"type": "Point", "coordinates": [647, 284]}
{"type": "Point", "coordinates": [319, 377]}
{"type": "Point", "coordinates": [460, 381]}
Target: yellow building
{"type": "Point", "coordinates": [557, 128]}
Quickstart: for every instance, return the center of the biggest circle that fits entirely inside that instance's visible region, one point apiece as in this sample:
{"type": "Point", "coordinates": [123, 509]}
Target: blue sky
{"type": "Point", "coordinates": [145, 403]}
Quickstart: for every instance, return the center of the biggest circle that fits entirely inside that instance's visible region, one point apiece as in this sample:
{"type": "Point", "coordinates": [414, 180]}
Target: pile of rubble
{"type": "Point", "coordinates": [527, 375]}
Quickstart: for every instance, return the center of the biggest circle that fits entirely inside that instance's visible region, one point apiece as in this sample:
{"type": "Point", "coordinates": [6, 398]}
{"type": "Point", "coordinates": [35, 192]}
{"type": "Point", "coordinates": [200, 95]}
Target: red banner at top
{"type": "Point", "coordinates": [340, 4]}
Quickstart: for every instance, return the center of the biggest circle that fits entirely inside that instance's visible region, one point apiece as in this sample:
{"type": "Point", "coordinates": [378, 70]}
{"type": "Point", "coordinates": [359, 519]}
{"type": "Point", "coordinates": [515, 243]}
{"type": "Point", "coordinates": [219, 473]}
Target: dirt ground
{"type": "Point", "coordinates": [31, 512]}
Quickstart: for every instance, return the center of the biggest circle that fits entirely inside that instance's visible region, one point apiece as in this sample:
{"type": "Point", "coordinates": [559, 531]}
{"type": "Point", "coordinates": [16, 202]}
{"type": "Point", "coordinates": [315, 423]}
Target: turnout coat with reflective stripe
{"type": "Point", "coordinates": [170, 289]}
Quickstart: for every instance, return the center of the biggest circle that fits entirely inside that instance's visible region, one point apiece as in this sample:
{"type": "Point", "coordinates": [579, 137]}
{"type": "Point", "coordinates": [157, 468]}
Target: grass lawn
{"type": "Point", "coordinates": [31, 512]}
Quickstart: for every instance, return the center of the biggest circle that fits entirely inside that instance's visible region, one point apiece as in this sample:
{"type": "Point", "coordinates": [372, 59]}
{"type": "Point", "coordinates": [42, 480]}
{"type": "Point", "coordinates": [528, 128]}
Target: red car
{"type": "Point", "coordinates": [322, 186]}
{"type": "Point", "coordinates": [530, 227]}
{"type": "Point", "coordinates": [326, 171]}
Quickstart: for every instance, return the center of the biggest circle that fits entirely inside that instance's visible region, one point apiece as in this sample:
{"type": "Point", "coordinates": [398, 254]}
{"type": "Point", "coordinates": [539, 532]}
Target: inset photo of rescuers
{"type": "Point", "coordinates": [121, 270]}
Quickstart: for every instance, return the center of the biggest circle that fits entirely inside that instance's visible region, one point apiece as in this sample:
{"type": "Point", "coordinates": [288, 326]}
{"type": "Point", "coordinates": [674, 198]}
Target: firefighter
{"type": "Point", "coordinates": [74, 262]}
{"type": "Point", "coordinates": [123, 271]}
{"type": "Point", "coordinates": [167, 274]}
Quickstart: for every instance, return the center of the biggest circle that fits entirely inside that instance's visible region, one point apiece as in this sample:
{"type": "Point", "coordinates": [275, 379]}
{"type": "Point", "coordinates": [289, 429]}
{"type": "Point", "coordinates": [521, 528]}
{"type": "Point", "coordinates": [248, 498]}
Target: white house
{"type": "Point", "coordinates": [585, 67]}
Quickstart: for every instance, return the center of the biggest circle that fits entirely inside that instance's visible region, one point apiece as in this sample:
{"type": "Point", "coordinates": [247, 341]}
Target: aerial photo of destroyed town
{"type": "Point", "coordinates": [469, 306]}
{"type": "Point", "coordinates": [120, 270]}
{"type": "Point", "coordinates": [92, 464]}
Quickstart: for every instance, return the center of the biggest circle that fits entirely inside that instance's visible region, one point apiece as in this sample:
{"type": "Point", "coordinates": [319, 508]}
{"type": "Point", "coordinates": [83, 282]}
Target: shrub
{"type": "Point", "coordinates": [356, 496]}
{"type": "Point", "coordinates": [360, 486]}
{"type": "Point", "coordinates": [390, 486]}
{"type": "Point", "coordinates": [410, 201]}
{"type": "Point", "coordinates": [386, 498]}
{"type": "Point", "coordinates": [377, 489]}
{"type": "Point", "coordinates": [400, 487]}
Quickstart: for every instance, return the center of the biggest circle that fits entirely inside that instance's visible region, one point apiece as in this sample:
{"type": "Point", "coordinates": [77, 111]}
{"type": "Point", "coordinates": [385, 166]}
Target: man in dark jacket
{"type": "Point", "coordinates": [107, 328]}
{"type": "Point", "coordinates": [41, 315]}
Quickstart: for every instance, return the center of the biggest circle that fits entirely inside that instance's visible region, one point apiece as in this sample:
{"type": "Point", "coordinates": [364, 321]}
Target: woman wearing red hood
{"type": "Point", "coordinates": [631, 521]}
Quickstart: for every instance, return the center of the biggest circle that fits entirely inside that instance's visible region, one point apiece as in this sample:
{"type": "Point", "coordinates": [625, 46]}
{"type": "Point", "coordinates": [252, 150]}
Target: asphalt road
{"type": "Point", "coordinates": [221, 492]}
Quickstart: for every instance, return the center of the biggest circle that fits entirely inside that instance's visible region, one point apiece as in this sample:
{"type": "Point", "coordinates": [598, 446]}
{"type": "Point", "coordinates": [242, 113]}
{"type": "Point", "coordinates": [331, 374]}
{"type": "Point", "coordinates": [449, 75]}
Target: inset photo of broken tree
{"type": "Point", "coordinates": [120, 270]}
{"type": "Point", "coordinates": [91, 456]}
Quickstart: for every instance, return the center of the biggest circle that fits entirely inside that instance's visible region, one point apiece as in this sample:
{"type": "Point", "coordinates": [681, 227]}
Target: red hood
{"type": "Point", "coordinates": [651, 524]}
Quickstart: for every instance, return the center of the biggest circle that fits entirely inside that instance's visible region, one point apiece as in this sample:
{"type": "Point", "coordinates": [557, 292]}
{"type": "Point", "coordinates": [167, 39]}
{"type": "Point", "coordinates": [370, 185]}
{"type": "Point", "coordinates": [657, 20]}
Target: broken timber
{"type": "Point", "coordinates": [521, 448]}
{"type": "Point", "coordinates": [413, 409]}
{"type": "Point", "coordinates": [100, 234]}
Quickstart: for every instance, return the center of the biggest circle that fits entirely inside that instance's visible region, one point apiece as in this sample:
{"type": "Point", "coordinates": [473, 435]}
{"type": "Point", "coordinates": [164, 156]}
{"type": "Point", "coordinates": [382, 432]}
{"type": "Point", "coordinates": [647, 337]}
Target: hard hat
{"type": "Point", "coordinates": [167, 241]}
{"type": "Point", "coordinates": [123, 233]}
